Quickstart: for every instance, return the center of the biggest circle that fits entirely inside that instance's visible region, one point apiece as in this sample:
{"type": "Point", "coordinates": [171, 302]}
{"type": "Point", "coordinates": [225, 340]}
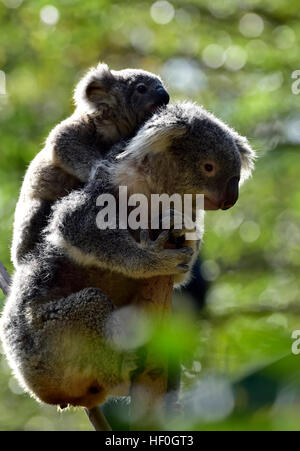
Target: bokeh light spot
{"type": "Point", "coordinates": [210, 270]}
{"type": "Point", "coordinates": [162, 12]}
{"type": "Point", "coordinates": [184, 75]}
{"type": "Point", "coordinates": [2, 83]}
{"type": "Point", "coordinates": [15, 387]}
{"type": "Point", "coordinates": [249, 231]}
{"type": "Point", "coordinates": [257, 50]}
{"type": "Point", "coordinates": [210, 400]}
{"type": "Point", "coordinates": [49, 15]}
{"type": "Point", "coordinates": [213, 56]}
{"type": "Point", "coordinates": [222, 8]}
{"type": "Point", "coordinates": [251, 25]}
{"type": "Point", "coordinates": [284, 37]}
{"type": "Point", "coordinates": [183, 17]}
{"type": "Point", "coordinates": [236, 58]}
{"type": "Point", "coordinates": [292, 129]}
{"type": "Point", "coordinates": [271, 82]}
{"type": "Point", "coordinates": [12, 3]}
{"type": "Point", "coordinates": [129, 328]}
{"type": "Point", "coordinates": [142, 39]}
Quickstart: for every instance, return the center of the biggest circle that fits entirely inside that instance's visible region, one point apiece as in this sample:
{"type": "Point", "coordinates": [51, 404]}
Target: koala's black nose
{"type": "Point", "coordinates": [163, 97]}
{"type": "Point", "coordinates": [231, 193]}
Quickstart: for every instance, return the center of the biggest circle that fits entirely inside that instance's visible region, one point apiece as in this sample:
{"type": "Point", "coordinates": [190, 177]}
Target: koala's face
{"type": "Point", "coordinates": [213, 158]}
{"type": "Point", "coordinates": [143, 92]}
{"type": "Point", "coordinates": [211, 165]}
{"type": "Point", "coordinates": [190, 151]}
{"type": "Point", "coordinates": [131, 94]}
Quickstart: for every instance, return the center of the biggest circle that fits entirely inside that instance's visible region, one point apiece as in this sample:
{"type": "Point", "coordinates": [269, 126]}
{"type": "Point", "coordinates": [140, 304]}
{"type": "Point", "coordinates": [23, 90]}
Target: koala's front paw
{"type": "Point", "coordinates": [166, 261]}
{"type": "Point", "coordinates": [180, 226]}
{"type": "Point", "coordinates": [154, 245]}
{"type": "Point", "coordinates": [177, 261]}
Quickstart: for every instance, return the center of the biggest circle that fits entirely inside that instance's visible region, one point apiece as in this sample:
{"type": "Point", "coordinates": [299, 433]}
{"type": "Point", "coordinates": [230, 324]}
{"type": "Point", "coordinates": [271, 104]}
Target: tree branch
{"type": "Point", "coordinates": [150, 386]}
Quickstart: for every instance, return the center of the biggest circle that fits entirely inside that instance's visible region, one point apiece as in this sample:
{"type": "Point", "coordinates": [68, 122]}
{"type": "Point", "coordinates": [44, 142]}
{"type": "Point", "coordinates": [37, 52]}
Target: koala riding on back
{"type": "Point", "coordinates": [110, 106]}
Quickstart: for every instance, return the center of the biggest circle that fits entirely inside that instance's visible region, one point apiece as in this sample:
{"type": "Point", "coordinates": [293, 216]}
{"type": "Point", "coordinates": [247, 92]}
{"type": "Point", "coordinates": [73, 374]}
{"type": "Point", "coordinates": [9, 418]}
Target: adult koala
{"type": "Point", "coordinates": [55, 323]}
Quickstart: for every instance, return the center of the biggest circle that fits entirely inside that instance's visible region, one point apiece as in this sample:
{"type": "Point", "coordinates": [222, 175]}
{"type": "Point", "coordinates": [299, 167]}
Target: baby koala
{"type": "Point", "coordinates": [110, 106]}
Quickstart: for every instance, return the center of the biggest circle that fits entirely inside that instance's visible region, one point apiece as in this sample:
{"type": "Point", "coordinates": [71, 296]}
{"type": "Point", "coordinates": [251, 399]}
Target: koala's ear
{"type": "Point", "coordinates": [248, 156]}
{"type": "Point", "coordinates": [153, 139]}
{"type": "Point", "coordinates": [94, 87]}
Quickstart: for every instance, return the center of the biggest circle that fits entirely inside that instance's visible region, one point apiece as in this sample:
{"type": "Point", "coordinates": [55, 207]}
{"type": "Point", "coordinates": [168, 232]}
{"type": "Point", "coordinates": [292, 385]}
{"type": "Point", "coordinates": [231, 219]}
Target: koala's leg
{"type": "Point", "coordinates": [75, 360]}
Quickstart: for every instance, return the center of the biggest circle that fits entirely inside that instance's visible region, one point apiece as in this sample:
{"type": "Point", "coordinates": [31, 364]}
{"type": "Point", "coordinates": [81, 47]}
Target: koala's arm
{"type": "Point", "coordinates": [76, 146]}
{"type": "Point", "coordinates": [73, 227]}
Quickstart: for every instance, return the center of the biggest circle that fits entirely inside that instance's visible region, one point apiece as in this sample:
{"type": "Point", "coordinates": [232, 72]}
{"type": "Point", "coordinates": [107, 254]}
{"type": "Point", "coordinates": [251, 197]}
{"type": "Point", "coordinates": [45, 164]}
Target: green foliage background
{"type": "Point", "coordinates": [239, 67]}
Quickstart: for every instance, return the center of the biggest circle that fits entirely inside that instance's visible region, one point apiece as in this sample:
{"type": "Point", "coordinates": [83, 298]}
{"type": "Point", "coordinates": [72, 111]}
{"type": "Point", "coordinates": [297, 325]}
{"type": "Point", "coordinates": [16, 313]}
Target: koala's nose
{"type": "Point", "coordinates": [231, 193]}
{"type": "Point", "coordinates": [163, 97]}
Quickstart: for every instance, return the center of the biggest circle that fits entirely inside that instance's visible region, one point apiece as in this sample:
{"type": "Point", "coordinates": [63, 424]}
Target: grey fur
{"type": "Point", "coordinates": [108, 108]}
{"type": "Point", "coordinates": [54, 327]}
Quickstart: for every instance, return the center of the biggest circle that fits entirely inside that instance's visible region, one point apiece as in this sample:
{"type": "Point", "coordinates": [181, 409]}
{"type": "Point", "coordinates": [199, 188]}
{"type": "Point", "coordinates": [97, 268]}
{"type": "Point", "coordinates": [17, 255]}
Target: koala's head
{"type": "Point", "coordinates": [131, 93]}
{"type": "Point", "coordinates": [190, 151]}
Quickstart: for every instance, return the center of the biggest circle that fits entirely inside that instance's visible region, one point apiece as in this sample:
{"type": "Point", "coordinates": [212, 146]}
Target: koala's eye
{"type": "Point", "coordinates": [209, 168]}
{"type": "Point", "coordinates": [141, 88]}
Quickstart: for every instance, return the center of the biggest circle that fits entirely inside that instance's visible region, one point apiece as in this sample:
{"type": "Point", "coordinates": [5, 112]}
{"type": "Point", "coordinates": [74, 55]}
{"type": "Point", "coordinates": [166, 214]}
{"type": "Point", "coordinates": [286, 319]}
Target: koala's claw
{"type": "Point", "coordinates": [186, 251]}
{"type": "Point", "coordinates": [182, 253]}
{"type": "Point", "coordinates": [178, 260]}
{"type": "Point", "coordinates": [157, 244]}
{"type": "Point", "coordinates": [162, 239]}
{"type": "Point", "coordinates": [177, 233]}
{"type": "Point", "coordinates": [183, 268]}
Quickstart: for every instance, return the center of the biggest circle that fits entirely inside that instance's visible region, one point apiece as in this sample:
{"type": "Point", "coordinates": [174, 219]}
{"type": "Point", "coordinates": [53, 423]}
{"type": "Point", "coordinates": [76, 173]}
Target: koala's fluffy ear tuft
{"type": "Point", "coordinates": [153, 139]}
{"type": "Point", "coordinates": [248, 156]}
{"type": "Point", "coordinates": [94, 87]}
